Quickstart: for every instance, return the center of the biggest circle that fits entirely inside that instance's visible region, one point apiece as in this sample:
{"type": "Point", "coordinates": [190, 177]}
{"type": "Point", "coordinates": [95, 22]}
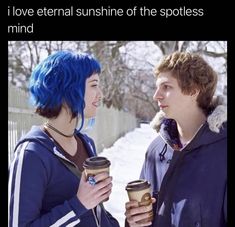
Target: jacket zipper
{"type": "Point", "coordinates": [96, 219]}
{"type": "Point", "coordinates": [57, 153]}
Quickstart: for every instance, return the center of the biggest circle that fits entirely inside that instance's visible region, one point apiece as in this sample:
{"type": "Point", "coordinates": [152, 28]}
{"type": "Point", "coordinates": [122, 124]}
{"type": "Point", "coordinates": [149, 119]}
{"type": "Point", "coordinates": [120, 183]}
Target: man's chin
{"type": "Point", "coordinates": [166, 115]}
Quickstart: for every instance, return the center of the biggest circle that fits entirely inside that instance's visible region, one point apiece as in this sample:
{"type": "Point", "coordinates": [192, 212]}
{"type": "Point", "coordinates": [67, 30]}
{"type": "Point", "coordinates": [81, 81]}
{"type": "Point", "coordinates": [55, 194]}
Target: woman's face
{"type": "Point", "coordinates": [93, 96]}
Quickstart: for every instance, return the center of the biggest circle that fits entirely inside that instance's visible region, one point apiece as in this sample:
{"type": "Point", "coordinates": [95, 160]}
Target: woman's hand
{"type": "Point", "coordinates": [91, 195]}
{"type": "Point", "coordinates": [134, 213]}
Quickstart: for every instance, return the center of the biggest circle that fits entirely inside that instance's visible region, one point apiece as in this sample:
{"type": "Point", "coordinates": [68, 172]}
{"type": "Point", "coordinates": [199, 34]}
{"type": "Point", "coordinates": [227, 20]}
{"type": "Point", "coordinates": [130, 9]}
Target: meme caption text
{"type": "Point", "coordinates": [103, 11]}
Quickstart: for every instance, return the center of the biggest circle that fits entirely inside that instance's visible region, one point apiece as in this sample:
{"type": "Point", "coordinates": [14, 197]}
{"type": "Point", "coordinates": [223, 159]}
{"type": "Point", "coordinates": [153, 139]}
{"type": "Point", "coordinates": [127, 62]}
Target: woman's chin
{"type": "Point", "coordinates": [90, 115]}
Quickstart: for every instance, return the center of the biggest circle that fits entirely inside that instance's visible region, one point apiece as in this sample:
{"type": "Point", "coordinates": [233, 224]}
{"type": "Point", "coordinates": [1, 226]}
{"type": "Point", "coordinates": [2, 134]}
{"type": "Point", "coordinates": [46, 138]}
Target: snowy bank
{"type": "Point", "coordinates": [126, 156]}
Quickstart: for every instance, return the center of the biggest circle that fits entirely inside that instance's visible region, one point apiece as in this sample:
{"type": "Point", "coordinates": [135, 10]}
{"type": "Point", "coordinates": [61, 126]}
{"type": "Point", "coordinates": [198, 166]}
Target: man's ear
{"type": "Point", "coordinates": [195, 93]}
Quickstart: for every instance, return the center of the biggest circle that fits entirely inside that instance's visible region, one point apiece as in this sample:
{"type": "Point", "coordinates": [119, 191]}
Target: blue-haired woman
{"type": "Point", "coordinates": [43, 189]}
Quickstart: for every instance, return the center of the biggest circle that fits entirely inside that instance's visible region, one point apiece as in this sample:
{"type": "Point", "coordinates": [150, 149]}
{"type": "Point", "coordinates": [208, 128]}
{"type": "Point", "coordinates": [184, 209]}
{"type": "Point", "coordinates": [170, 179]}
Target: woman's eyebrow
{"type": "Point", "coordinates": [94, 80]}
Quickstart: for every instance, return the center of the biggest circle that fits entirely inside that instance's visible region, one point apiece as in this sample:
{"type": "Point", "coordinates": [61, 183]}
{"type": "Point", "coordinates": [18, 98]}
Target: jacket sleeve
{"type": "Point", "coordinates": [143, 170]}
{"type": "Point", "coordinates": [147, 171]}
{"type": "Point", "coordinates": [27, 183]}
{"type": "Point", "coordinates": [154, 169]}
{"type": "Point", "coordinates": [225, 206]}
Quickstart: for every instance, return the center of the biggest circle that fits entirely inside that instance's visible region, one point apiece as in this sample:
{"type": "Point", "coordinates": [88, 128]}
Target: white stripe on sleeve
{"type": "Point", "coordinates": [73, 223]}
{"type": "Point", "coordinates": [15, 214]}
{"type": "Point", "coordinates": [65, 218]}
{"type": "Point", "coordinates": [12, 165]}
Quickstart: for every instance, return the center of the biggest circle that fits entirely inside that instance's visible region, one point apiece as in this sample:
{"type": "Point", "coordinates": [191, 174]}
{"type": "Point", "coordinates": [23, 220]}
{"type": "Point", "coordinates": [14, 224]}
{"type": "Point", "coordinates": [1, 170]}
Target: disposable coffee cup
{"type": "Point", "coordinates": [94, 165]}
{"type": "Point", "coordinates": [139, 190]}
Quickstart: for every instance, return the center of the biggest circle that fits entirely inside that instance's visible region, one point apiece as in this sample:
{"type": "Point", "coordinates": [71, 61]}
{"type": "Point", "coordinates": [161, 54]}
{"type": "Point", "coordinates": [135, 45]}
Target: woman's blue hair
{"type": "Point", "coordinates": [61, 78]}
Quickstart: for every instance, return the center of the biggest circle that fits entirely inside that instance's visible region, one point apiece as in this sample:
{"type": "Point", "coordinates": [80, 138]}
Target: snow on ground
{"type": "Point", "coordinates": [126, 157]}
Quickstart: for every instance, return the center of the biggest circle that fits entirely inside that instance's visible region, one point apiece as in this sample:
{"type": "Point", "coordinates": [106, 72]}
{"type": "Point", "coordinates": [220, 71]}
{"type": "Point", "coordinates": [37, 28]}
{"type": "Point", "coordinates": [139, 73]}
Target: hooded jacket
{"type": "Point", "coordinates": [190, 182]}
{"type": "Point", "coordinates": [42, 190]}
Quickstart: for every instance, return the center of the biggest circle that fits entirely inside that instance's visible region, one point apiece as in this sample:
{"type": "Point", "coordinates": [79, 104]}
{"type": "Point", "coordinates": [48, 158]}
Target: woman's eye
{"type": "Point", "coordinates": [94, 85]}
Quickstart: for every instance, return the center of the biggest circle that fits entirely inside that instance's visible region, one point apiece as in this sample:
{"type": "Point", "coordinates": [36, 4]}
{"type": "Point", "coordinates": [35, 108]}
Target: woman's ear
{"type": "Point", "coordinates": [66, 108]}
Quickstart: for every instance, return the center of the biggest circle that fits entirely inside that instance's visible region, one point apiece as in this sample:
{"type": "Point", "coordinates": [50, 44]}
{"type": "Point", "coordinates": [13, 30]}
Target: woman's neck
{"type": "Point", "coordinates": [62, 124]}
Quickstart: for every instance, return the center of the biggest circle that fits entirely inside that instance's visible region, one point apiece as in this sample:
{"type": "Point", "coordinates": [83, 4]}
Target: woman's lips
{"type": "Point", "coordinates": [96, 104]}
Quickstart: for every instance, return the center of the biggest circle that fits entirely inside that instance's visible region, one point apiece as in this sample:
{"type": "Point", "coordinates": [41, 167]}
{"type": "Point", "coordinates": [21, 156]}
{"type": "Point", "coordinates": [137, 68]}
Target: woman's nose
{"type": "Point", "coordinates": [100, 94]}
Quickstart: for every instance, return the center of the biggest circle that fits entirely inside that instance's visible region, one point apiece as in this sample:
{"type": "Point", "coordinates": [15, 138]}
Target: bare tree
{"type": "Point", "coordinates": [167, 47]}
{"type": "Point", "coordinates": [127, 67]}
{"type": "Point", "coordinates": [113, 71]}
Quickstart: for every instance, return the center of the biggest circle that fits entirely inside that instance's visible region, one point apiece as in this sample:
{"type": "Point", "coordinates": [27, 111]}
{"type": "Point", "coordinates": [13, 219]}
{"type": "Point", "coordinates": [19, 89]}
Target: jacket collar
{"type": "Point", "coordinates": [36, 134]}
{"type": "Point", "coordinates": [216, 122]}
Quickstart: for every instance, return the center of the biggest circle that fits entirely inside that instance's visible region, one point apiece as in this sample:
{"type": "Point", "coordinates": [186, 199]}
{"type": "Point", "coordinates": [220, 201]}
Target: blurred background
{"type": "Point", "coordinates": [127, 81]}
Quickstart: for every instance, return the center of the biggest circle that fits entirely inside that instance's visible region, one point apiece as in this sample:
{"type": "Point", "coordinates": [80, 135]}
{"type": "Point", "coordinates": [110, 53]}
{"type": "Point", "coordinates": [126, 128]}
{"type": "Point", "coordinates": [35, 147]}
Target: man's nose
{"type": "Point", "coordinates": [157, 95]}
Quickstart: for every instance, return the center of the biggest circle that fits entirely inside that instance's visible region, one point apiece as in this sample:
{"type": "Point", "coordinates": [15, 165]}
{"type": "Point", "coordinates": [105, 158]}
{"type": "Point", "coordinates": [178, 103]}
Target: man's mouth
{"type": "Point", "coordinates": [163, 106]}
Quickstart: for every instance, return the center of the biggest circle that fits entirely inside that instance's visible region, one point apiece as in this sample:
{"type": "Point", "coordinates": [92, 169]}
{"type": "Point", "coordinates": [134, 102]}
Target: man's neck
{"type": "Point", "coordinates": [189, 125]}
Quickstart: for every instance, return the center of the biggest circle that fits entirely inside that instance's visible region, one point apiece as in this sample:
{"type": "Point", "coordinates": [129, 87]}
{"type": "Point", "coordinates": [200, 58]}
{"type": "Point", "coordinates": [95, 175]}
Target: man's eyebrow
{"type": "Point", "coordinates": [163, 82]}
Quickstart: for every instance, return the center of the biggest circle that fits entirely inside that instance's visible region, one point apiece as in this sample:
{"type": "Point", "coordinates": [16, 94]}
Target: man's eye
{"type": "Point", "coordinates": [166, 87]}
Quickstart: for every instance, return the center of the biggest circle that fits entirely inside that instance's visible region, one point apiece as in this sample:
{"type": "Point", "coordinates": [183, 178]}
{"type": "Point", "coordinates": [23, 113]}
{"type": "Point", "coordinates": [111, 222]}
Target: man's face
{"type": "Point", "coordinates": [170, 98]}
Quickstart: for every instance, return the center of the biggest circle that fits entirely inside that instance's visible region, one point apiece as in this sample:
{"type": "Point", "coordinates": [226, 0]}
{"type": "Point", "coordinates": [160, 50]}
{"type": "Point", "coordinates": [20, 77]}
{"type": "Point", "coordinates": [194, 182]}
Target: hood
{"type": "Point", "coordinates": [36, 134]}
{"type": "Point", "coordinates": [215, 121]}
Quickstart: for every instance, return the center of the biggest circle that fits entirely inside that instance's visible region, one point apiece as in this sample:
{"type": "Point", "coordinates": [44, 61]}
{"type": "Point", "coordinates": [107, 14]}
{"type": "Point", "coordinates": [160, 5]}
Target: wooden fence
{"type": "Point", "coordinates": [20, 117]}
